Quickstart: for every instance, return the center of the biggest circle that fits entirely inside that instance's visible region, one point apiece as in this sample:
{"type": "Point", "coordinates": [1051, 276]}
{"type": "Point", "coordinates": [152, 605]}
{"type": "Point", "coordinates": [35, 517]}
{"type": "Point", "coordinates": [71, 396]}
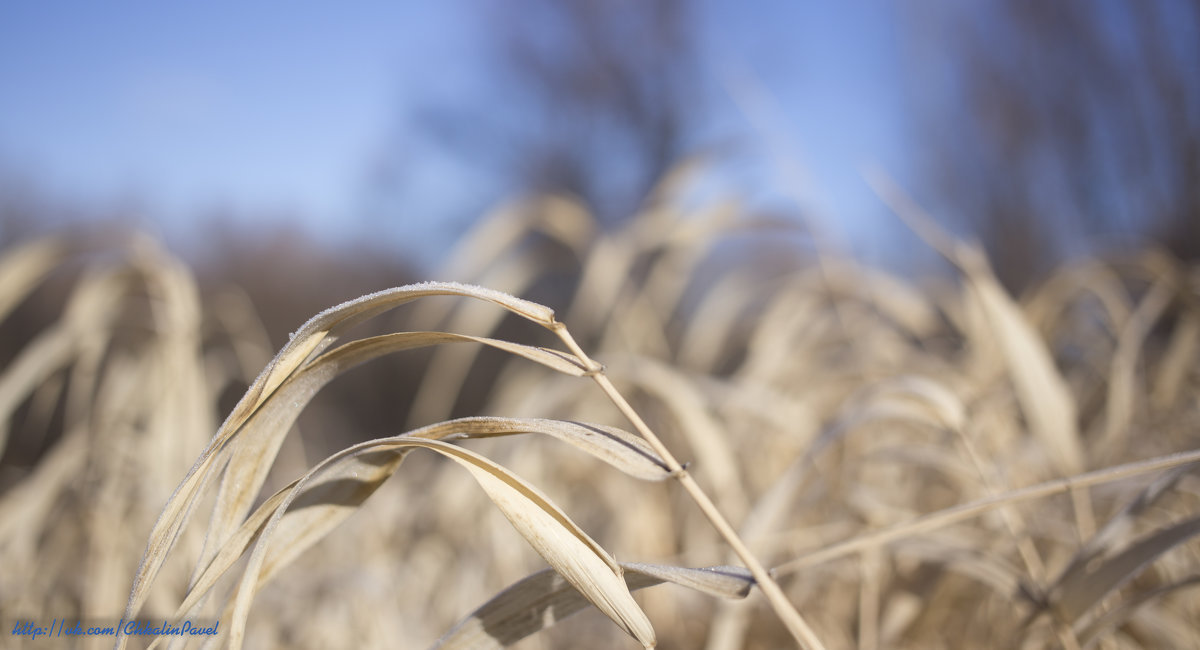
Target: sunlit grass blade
{"type": "Point", "coordinates": [570, 551]}
{"type": "Point", "coordinates": [321, 506]}
{"type": "Point", "coordinates": [315, 336]}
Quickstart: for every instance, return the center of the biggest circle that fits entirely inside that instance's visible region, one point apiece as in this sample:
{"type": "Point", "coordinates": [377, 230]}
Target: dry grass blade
{"type": "Point", "coordinates": [248, 470]}
{"type": "Point", "coordinates": [1088, 279]}
{"type": "Point", "coordinates": [911, 399]}
{"type": "Point", "coordinates": [704, 435]}
{"type": "Point", "coordinates": [720, 581]}
{"type": "Point", "coordinates": [994, 573]}
{"type": "Point", "coordinates": [317, 508]}
{"type": "Point", "coordinates": [90, 311]}
{"type": "Point", "coordinates": [1080, 591]}
{"type": "Point", "coordinates": [1118, 615]}
{"type": "Point", "coordinates": [234, 548]}
{"type": "Point", "coordinates": [22, 268]}
{"type": "Point", "coordinates": [614, 446]}
{"type": "Point", "coordinates": [948, 516]}
{"type": "Point", "coordinates": [1043, 394]}
{"type": "Point", "coordinates": [801, 632]}
{"type": "Point", "coordinates": [450, 367]}
{"type": "Point", "coordinates": [556, 538]}
{"type": "Point", "coordinates": [30, 501]}
{"type": "Point", "coordinates": [501, 232]}
{"type": "Point", "coordinates": [545, 598]}
{"type": "Point", "coordinates": [1178, 361]}
{"type": "Point", "coordinates": [718, 312]}
{"type": "Point", "coordinates": [1121, 377]}
{"type": "Point", "coordinates": [321, 330]}
{"type": "Point", "coordinates": [258, 440]}
{"type": "Point", "coordinates": [1120, 524]}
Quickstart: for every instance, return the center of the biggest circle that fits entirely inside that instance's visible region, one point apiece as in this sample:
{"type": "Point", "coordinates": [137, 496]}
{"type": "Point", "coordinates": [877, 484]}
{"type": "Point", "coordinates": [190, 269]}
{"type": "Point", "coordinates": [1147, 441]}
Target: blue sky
{"type": "Point", "coordinates": [285, 109]}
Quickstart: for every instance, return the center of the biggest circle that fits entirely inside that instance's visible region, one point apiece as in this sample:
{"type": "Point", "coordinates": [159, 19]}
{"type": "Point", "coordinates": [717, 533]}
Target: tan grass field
{"type": "Point", "coordinates": [874, 464]}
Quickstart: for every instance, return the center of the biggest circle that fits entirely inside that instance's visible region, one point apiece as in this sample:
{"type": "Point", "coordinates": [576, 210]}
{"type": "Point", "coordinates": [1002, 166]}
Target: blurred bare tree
{"type": "Point", "coordinates": [594, 98]}
{"type": "Point", "coordinates": [1055, 124]}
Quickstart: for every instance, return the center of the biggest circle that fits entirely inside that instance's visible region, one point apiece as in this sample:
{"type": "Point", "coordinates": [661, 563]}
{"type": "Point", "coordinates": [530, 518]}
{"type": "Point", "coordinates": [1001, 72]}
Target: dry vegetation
{"type": "Point", "coordinates": [941, 467]}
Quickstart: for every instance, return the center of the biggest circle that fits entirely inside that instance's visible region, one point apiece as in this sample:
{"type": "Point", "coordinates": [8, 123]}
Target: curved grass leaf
{"type": "Point", "coordinates": [1080, 591]}
{"type": "Point", "coordinates": [552, 534]}
{"type": "Point", "coordinates": [310, 340]}
{"type": "Point", "coordinates": [542, 599]}
{"type": "Point", "coordinates": [259, 440]}
{"type": "Point", "coordinates": [1120, 614]}
{"type": "Point", "coordinates": [324, 505]}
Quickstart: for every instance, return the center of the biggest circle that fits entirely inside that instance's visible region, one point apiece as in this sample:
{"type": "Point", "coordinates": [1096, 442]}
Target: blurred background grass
{"type": "Point", "coordinates": [297, 157]}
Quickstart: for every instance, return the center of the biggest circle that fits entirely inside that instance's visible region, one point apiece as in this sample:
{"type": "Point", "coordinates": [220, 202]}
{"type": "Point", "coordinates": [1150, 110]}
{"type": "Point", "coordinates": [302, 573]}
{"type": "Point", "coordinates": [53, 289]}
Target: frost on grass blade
{"type": "Point", "coordinates": [614, 446]}
{"type": "Point", "coordinates": [323, 329]}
